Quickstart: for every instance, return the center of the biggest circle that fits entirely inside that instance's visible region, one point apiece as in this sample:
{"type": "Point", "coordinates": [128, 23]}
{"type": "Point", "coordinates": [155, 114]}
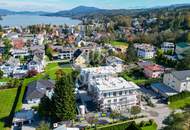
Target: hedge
{"type": "Point", "coordinates": [179, 96]}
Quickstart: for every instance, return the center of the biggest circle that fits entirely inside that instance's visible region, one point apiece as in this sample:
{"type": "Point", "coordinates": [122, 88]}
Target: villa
{"type": "Point", "coordinates": [168, 46]}
{"type": "Point", "coordinates": [145, 51]}
{"type": "Point", "coordinates": [178, 80]}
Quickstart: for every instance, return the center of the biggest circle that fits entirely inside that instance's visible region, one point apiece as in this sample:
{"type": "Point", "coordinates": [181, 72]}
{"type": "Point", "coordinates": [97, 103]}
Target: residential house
{"type": "Point", "coordinates": [168, 46]}
{"type": "Point", "coordinates": [178, 80]}
{"type": "Point", "coordinates": [7, 69]}
{"type": "Point", "coordinates": [22, 52]}
{"type": "Point", "coordinates": [181, 48]}
{"type": "Point", "coordinates": [20, 72]}
{"type": "Point", "coordinates": [66, 53]}
{"type": "Point", "coordinates": [153, 71]}
{"type": "Point", "coordinates": [37, 89]}
{"type": "Point", "coordinates": [115, 62]}
{"type": "Point", "coordinates": [23, 116]}
{"type": "Point", "coordinates": [37, 63]}
{"type": "Point", "coordinates": [18, 43]}
{"type": "Point", "coordinates": [81, 43]}
{"type": "Point", "coordinates": [145, 51]}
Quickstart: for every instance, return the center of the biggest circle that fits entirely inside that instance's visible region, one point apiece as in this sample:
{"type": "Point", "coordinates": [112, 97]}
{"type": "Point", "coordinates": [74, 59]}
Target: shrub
{"type": "Point", "coordinates": [179, 96]}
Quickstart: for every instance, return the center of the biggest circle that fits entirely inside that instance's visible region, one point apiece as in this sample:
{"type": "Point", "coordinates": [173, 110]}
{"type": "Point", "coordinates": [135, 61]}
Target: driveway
{"type": "Point", "coordinates": [159, 113]}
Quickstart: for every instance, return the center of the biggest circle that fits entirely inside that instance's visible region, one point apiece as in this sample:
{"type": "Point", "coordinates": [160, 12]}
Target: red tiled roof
{"type": "Point", "coordinates": [154, 67]}
{"type": "Point", "coordinates": [18, 43]}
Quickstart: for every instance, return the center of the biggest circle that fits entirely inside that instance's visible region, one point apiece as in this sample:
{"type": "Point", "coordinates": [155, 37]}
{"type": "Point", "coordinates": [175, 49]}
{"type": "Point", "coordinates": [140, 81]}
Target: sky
{"type": "Point", "coordinates": [56, 5]}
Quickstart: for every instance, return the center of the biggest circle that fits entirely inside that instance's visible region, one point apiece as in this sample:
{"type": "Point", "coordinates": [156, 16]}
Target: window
{"type": "Point", "coordinates": [115, 100]}
{"type": "Point", "coordinates": [109, 101]}
{"type": "Point", "coordinates": [114, 93]}
{"type": "Point", "coordinates": [105, 94]}
{"type": "Point", "coordinates": [120, 93]}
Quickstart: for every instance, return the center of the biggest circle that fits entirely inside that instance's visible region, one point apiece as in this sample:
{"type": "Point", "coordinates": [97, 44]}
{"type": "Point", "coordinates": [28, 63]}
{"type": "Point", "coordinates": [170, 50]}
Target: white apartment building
{"type": "Point", "coordinates": [178, 80]}
{"type": "Point", "coordinates": [113, 93]}
{"type": "Point", "coordinates": [87, 74]}
{"type": "Point", "coordinates": [109, 91]}
{"type": "Point", "coordinates": [145, 51]}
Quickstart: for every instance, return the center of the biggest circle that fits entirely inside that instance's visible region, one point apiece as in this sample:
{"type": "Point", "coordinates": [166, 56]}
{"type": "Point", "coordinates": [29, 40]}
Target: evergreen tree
{"type": "Point", "coordinates": [131, 54]}
{"type": "Point", "coordinates": [63, 99]}
{"type": "Point", "coordinates": [43, 126]}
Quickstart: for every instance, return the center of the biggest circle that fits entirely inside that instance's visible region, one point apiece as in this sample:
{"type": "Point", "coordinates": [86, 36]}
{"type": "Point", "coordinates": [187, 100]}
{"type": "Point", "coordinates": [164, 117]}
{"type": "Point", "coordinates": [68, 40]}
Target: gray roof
{"type": "Point", "coordinates": [37, 89]}
{"type": "Point", "coordinates": [181, 75]}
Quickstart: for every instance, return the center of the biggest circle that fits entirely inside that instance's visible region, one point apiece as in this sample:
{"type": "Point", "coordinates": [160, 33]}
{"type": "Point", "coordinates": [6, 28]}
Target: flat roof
{"type": "Point", "coordinates": [162, 88]}
{"type": "Point", "coordinates": [113, 83]}
{"type": "Point", "coordinates": [99, 70]}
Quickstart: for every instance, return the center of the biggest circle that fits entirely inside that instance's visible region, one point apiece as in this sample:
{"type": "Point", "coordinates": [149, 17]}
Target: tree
{"type": "Point", "coordinates": [74, 75]}
{"type": "Point", "coordinates": [135, 110]}
{"type": "Point", "coordinates": [188, 37]}
{"type": "Point", "coordinates": [45, 107]}
{"type": "Point", "coordinates": [1, 73]}
{"type": "Point", "coordinates": [32, 73]}
{"type": "Point", "coordinates": [131, 54]}
{"type": "Point", "coordinates": [43, 126]}
{"type": "Point", "coordinates": [133, 126]}
{"type": "Point", "coordinates": [95, 58]}
{"type": "Point", "coordinates": [92, 120]}
{"type": "Point", "coordinates": [184, 64]}
{"type": "Point", "coordinates": [114, 115]}
{"type": "Point", "coordinates": [63, 99]}
{"type": "Point", "coordinates": [178, 121]}
{"type": "Point", "coordinates": [59, 73]}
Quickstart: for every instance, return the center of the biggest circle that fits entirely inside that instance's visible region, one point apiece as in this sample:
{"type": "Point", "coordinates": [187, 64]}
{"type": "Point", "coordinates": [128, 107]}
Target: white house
{"type": "Point", "coordinates": [178, 80]}
{"type": "Point", "coordinates": [168, 46]}
{"type": "Point", "coordinates": [115, 62]}
{"type": "Point", "coordinates": [37, 63]}
{"type": "Point", "coordinates": [145, 51]}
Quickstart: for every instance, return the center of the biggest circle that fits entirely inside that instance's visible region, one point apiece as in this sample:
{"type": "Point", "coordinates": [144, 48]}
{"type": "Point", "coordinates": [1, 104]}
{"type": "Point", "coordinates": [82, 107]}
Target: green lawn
{"type": "Point", "coordinates": [50, 70]}
{"type": "Point", "coordinates": [118, 43]}
{"type": "Point", "coordinates": [4, 79]}
{"type": "Point", "coordinates": [152, 127]}
{"type": "Point", "coordinates": [180, 103]}
{"type": "Point", "coordinates": [6, 102]}
{"type": "Point", "coordinates": [139, 81]}
{"type": "Point", "coordinates": [53, 67]}
{"type": "Point", "coordinates": [23, 89]}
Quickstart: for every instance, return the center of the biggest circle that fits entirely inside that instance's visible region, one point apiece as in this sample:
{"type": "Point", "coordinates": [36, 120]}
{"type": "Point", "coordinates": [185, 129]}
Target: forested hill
{"type": "Point", "coordinates": [84, 11]}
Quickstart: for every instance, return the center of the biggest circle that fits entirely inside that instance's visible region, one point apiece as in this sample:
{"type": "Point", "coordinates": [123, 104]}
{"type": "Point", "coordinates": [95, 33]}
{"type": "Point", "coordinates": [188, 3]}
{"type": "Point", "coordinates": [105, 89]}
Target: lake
{"type": "Point", "coordinates": [25, 20]}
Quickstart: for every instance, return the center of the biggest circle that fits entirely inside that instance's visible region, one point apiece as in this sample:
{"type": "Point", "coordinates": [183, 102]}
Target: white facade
{"type": "Point", "coordinates": [115, 62]}
{"type": "Point", "coordinates": [113, 93]}
{"type": "Point", "coordinates": [178, 80]}
{"type": "Point", "coordinates": [145, 51]}
{"type": "Point", "coordinates": [168, 46]}
{"type": "Point", "coordinates": [109, 91]}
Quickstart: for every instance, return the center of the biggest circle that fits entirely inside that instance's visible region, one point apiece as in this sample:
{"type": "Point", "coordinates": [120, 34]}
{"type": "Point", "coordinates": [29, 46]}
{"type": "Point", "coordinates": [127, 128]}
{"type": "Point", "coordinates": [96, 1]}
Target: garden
{"type": "Point", "coordinates": [180, 100]}
{"type": "Point", "coordinates": [136, 75]}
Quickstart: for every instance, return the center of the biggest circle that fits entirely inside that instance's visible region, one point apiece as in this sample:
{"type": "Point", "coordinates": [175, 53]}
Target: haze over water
{"type": "Point", "coordinates": [25, 20]}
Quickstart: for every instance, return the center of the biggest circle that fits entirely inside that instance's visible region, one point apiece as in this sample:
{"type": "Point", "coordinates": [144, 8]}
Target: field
{"type": "Point", "coordinates": [6, 103]}
{"type": "Point", "coordinates": [180, 103]}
